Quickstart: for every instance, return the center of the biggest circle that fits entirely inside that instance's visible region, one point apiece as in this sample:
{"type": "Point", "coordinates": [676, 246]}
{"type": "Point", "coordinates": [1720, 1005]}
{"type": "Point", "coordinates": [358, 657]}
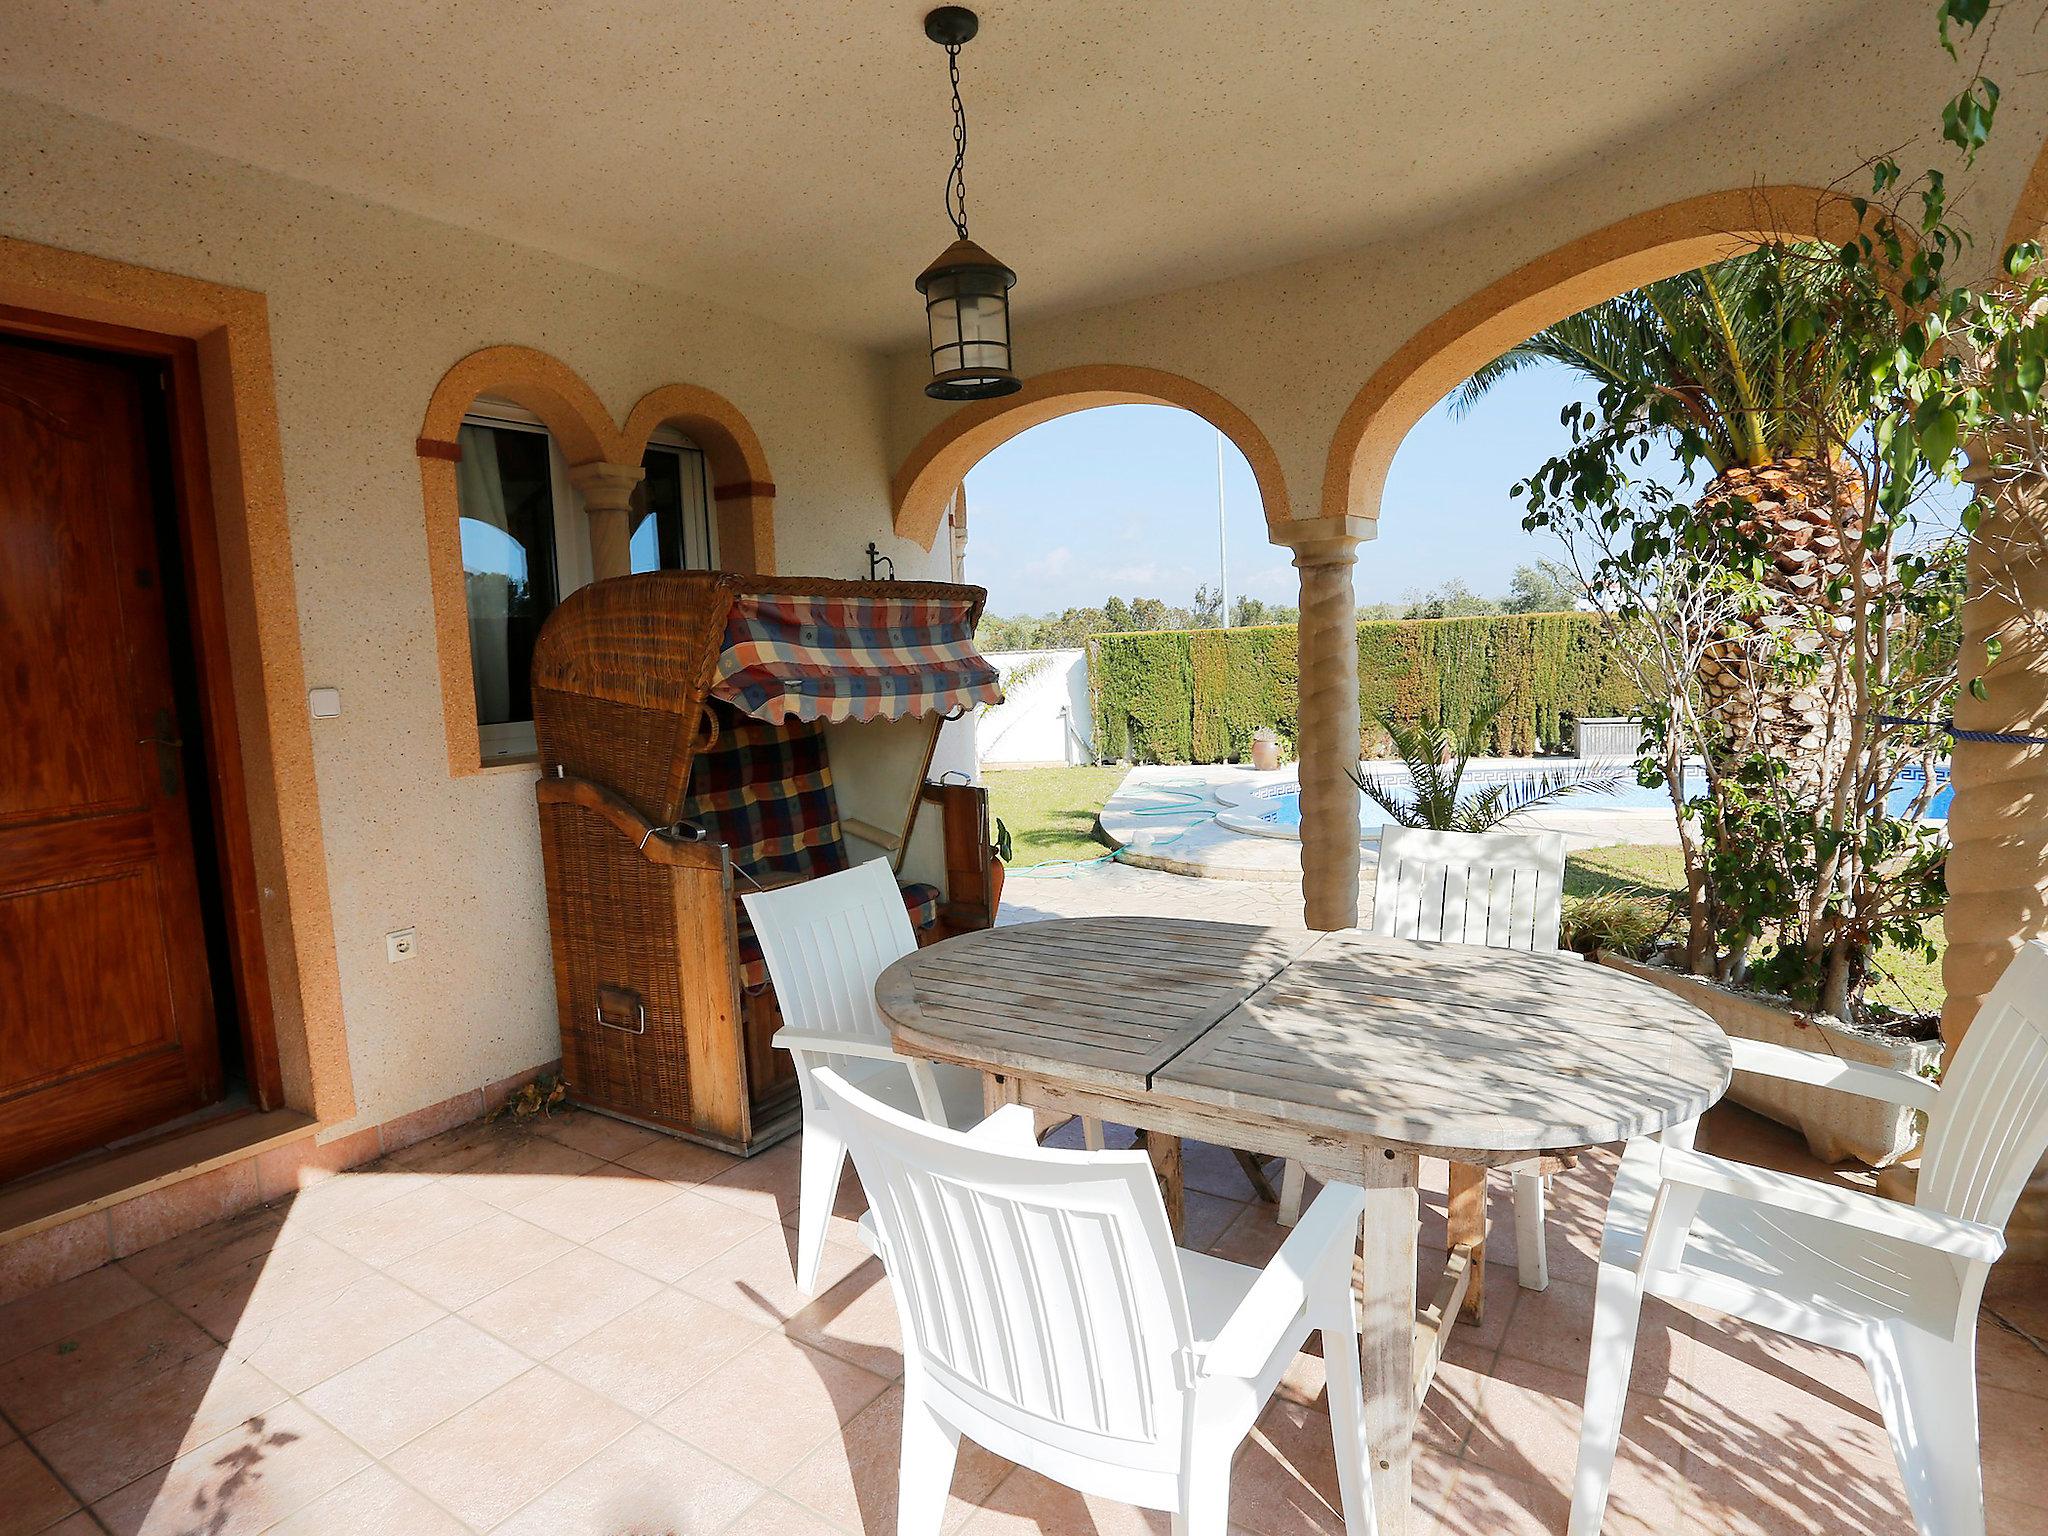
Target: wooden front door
{"type": "Point", "coordinates": [107, 1022]}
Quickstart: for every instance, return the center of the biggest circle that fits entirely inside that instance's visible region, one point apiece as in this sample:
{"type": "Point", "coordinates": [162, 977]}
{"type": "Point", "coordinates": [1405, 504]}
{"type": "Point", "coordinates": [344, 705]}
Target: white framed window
{"type": "Point", "coordinates": [524, 549]}
{"type": "Point", "coordinates": [672, 525]}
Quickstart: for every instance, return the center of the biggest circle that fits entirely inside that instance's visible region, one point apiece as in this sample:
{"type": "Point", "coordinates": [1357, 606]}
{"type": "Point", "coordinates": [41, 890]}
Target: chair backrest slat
{"type": "Point", "coordinates": [826, 941]}
{"type": "Point", "coordinates": [1501, 889]}
{"type": "Point", "coordinates": [1037, 1289]}
{"type": "Point", "coordinates": [1990, 1129]}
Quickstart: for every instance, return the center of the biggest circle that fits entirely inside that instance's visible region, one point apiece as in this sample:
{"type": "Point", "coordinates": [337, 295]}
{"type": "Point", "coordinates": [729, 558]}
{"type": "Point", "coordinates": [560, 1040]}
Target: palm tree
{"type": "Point", "coordinates": [1435, 763]}
{"type": "Point", "coordinates": [1726, 363]}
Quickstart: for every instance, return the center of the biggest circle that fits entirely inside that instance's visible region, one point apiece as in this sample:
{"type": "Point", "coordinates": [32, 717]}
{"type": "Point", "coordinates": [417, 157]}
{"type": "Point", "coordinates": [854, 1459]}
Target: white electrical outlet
{"type": "Point", "coordinates": [401, 944]}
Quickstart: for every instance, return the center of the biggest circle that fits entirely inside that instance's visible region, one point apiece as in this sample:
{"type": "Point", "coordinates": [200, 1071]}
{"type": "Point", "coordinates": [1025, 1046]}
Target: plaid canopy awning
{"type": "Point", "coordinates": [792, 657]}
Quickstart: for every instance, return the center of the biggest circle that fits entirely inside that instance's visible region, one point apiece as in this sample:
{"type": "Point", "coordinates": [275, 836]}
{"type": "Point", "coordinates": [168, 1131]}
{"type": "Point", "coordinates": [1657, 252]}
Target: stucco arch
{"type": "Point", "coordinates": [742, 487]}
{"type": "Point", "coordinates": [545, 385]}
{"type": "Point", "coordinates": [1586, 271]}
{"type": "Point", "coordinates": [927, 480]}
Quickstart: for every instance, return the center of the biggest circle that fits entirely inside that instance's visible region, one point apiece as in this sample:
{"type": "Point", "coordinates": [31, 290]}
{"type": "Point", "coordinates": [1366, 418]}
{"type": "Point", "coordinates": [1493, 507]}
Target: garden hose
{"type": "Point", "coordinates": [1197, 798]}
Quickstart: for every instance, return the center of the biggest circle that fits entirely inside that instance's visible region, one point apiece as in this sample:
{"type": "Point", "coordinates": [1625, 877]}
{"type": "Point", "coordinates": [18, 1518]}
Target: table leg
{"type": "Point", "coordinates": [1164, 1151]}
{"type": "Point", "coordinates": [1386, 1333]}
{"type": "Point", "coordinates": [1468, 1228]}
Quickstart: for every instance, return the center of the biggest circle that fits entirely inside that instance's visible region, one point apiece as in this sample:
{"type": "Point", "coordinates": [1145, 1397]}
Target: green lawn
{"type": "Point", "coordinates": [1051, 811]}
{"type": "Point", "coordinates": [1904, 981]}
{"type": "Point", "coordinates": [1051, 815]}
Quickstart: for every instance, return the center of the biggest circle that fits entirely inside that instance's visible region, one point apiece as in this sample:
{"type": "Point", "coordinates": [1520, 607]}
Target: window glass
{"type": "Point", "coordinates": [671, 511]}
{"type": "Point", "coordinates": [506, 493]}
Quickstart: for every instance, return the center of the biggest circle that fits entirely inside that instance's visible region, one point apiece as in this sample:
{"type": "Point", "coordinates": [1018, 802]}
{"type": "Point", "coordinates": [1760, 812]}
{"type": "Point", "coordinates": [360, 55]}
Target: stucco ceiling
{"type": "Point", "coordinates": [788, 158]}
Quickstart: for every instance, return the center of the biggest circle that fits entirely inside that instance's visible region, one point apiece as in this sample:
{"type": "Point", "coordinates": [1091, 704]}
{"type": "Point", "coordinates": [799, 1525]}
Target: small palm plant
{"type": "Point", "coordinates": [1435, 763]}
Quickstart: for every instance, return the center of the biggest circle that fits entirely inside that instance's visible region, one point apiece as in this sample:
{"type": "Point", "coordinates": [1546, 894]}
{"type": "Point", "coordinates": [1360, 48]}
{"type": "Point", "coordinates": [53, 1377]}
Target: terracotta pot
{"type": "Point", "coordinates": [1836, 1125]}
{"type": "Point", "coordinates": [1265, 749]}
{"type": "Point", "coordinates": [995, 887]}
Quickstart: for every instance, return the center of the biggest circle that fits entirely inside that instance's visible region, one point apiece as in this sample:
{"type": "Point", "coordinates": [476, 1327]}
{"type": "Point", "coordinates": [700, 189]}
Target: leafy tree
{"type": "Point", "coordinates": [1452, 600]}
{"type": "Point", "coordinates": [1151, 613]}
{"type": "Point", "coordinates": [1542, 587]}
{"type": "Point", "coordinates": [1249, 611]}
{"type": "Point", "coordinates": [1207, 609]}
{"type": "Point", "coordinates": [1116, 616]}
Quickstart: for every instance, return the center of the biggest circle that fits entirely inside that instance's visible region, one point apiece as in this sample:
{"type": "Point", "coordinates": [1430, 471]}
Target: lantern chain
{"type": "Point", "coordinates": [956, 180]}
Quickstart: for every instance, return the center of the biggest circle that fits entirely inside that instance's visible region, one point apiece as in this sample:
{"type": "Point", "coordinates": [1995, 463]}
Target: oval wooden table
{"type": "Point", "coordinates": [1356, 1054]}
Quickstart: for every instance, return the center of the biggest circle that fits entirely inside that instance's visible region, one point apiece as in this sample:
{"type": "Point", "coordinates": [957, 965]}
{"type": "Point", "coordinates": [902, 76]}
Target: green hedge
{"type": "Point", "coordinates": [1177, 696]}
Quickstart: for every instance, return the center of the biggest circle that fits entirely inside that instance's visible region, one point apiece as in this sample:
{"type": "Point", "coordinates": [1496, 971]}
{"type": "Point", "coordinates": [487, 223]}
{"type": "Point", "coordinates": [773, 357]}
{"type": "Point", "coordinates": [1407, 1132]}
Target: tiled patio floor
{"type": "Point", "coordinates": [581, 1327]}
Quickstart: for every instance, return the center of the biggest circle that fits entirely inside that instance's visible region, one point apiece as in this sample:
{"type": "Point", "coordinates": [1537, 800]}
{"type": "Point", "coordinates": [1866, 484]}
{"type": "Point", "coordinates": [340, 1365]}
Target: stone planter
{"type": "Point", "coordinates": [1836, 1125]}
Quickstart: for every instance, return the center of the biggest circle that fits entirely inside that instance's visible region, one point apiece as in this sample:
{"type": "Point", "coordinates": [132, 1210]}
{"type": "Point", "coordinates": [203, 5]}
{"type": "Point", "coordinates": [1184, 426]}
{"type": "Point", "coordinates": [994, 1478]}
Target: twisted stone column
{"type": "Point", "coordinates": [607, 492]}
{"type": "Point", "coordinates": [1998, 821]}
{"type": "Point", "coordinates": [1324, 552]}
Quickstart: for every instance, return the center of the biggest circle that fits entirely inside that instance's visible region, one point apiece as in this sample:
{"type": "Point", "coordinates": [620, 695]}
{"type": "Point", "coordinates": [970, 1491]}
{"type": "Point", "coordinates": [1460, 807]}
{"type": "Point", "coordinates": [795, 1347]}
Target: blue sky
{"type": "Point", "coordinates": [1122, 500]}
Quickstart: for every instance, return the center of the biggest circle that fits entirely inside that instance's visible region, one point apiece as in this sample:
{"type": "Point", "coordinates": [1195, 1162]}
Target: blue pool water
{"type": "Point", "coordinates": [1279, 806]}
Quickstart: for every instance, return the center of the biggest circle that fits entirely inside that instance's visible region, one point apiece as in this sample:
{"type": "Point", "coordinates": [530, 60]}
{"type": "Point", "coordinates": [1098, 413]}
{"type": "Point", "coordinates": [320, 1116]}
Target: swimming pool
{"type": "Point", "coordinates": [1274, 810]}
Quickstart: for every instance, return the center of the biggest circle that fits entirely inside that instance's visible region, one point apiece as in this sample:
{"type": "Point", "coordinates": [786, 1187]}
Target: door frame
{"type": "Point", "coordinates": [206, 606]}
{"type": "Point", "coordinates": [226, 475]}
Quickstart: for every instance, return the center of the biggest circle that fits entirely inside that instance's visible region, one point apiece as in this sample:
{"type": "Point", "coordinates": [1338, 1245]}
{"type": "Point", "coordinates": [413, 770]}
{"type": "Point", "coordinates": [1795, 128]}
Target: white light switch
{"type": "Point", "coordinates": [401, 944]}
{"type": "Point", "coordinates": [325, 702]}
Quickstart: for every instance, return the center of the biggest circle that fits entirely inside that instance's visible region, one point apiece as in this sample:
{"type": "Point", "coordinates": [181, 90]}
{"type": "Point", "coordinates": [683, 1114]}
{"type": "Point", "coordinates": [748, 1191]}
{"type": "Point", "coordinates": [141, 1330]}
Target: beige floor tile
{"type": "Point", "coordinates": [678, 1236]}
{"type": "Point", "coordinates": [851, 1478]}
{"type": "Point", "coordinates": [1483, 1502]}
{"type": "Point", "coordinates": [756, 1277]}
{"type": "Point", "coordinates": [1525, 1429]}
{"type": "Point", "coordinates": [452, 1151]}
{"type": "Point", "coordinates": [334, 1202]}
{"type": "Point", "coordinates": [48, 1315]}
{"type": "Point", "coordinates": [372, 1503]}
{"type": "Point", "coordinates": [2014, 1434]}
{"type": "Point", "coordinates": [299, 1349]}
{"type": "Point", "coordinates": [396, 1229]}
{"type": "Point", "coordinates": [120, 1439]}
{"type": "Point", "coordinates": [774, 1515]}
{"type": "Point", "coordinates": [522, 1168]}
{"type": "Point", "coordinates": [646, 1480]}
{"type": "Point", "coordinates": [2008, 1358]}
{"type": "Point", "coordinates": [31, 1499]}
{"type": "Point", "coordinates": [587, 1208]}
{"type": "Point", "coordinates": [679, 1162]}
{"type": "Point", "coordinates": [494, 1456]}
{"type": "Point", "coordinates": [1025, 1504]}
{"type": "Point", "coordinates": [555, 1305]}
{"type": "Point", "coordinates": [764, 1185]}
{"type": "Point", "coordinates": [856, 1320]}
{"type": "Point", "coordinates": [114, 1355]}
{"type": "Point", "coordinates": [403, 1391]}
{"type": "Point", "coordinates": [80, 1524]}
{"type": "Point", "coordinates": [805, 1394]}
{"type": "Point", "coordinates": [1284, 1481]}
{"type": "Point", "coordinates": [1765, 1452]}
{"type": "Point", "coordinates": [297, 1275]}
{"type": "Point", "coordinates": [470, 1265]}
{"type": "Point", "coordinates": [647, 1356]}
{"type": "Point", "coordinates": [247, 1480]}
{"type": "Point", "coordinates": [1555, 1328]}
{"type": "Point", "coordinates": [2016, 1517]}
{"type": "Point", "coordinates": [599, 1135]}
{"type": "Point", "coordinates": [182, 1262]}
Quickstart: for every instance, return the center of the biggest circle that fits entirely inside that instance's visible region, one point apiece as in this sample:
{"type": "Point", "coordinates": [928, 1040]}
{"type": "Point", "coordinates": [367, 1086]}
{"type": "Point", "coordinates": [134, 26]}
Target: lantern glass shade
{"type": "Point", "coordinates": [967, 308]}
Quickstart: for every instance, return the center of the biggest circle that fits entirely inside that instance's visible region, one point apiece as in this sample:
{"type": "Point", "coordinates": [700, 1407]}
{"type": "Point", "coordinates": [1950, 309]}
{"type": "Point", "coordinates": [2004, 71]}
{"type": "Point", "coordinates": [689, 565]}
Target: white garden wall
{"type": "Point", "coordinates": [1045, 716]}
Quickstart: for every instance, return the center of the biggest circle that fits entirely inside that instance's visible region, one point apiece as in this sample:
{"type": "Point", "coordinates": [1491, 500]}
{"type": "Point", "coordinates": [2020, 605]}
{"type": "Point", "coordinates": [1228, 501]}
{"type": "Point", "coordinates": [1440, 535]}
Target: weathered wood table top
{"type": "Point", "coordinates": [1356, 1055]}
{"type": "Point", "coordinates": [1446, 1048]}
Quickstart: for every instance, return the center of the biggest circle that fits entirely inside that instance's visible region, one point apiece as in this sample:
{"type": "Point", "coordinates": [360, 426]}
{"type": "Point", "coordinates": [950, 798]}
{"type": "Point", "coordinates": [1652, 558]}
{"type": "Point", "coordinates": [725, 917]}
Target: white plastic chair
{"type": "Point", "coordinates": [1504, 890]}
{"type": "Point", "coordinates": [825, 942]}
{"type": "Point", "coordinates": [1896, 1284]}
{"type": "Point", "coordinates": [1047, 1315]}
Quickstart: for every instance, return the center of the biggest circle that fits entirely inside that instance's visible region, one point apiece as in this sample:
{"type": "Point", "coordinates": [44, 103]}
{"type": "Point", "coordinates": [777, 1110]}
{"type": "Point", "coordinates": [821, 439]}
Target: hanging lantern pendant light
{"type": "Point", "coordinates": [966, 291]}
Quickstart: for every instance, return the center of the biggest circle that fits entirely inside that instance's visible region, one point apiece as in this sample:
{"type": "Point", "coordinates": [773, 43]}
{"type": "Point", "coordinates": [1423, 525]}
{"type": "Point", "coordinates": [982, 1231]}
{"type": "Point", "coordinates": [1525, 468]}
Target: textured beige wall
{"type": "Point", "coordinates": [368, 309]}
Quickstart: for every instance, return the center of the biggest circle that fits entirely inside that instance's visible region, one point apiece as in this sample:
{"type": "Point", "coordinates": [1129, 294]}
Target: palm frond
{"type": "Point", "coordinates": [1502, 802]}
